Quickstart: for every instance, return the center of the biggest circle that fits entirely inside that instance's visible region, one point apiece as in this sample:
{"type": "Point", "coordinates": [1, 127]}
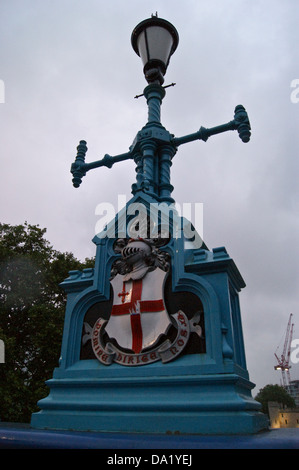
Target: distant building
{"type": "Point", "coordinates": [283, 417]}
{"type": "Point", "coordinates": [293, 390]}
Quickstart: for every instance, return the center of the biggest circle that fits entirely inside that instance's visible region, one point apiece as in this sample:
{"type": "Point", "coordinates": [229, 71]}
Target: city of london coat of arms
{"type": "Point", "coordinates": [136, 332]}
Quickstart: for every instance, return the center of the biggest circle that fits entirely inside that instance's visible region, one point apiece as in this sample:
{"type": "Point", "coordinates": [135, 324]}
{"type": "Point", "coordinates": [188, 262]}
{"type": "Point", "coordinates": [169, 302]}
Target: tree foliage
{"type": "Point", "coordinates": [32, 309]}
{"type": "Point", "coordinates": [274, 393]}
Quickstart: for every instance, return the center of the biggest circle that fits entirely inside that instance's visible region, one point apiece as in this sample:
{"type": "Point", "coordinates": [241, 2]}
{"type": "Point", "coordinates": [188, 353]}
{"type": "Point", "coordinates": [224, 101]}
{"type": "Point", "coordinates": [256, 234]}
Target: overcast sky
{"type": "Point", "coordinates": [70, 73]}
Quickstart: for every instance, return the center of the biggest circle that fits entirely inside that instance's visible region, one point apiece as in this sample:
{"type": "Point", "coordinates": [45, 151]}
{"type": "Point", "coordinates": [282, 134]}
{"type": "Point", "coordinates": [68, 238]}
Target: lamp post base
{"type": "Point", "coordinates": [213, 404]}
{"type": "Point", "coordinates": [203, 387]}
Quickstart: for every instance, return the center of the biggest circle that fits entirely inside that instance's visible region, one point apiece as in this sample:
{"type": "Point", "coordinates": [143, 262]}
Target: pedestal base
{"type": "Point", "coordinates": [211, 404]}
{"type": "Point", "coordinates": [203, 390]}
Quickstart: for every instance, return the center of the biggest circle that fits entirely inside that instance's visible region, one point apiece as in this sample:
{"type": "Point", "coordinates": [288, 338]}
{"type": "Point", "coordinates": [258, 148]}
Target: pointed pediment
{"type": "Point", "coordinates": [146, 217]}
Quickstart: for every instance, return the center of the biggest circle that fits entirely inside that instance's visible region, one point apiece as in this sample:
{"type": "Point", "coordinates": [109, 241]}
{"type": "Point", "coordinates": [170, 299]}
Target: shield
{"type": "Point", "coordinates": [138, 317]}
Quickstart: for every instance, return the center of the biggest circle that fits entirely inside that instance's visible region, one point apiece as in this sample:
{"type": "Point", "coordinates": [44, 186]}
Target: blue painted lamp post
{"type": "Point", "coordinates": [153, 337]}
{"type": "Point", "coordinates": [155, 40]}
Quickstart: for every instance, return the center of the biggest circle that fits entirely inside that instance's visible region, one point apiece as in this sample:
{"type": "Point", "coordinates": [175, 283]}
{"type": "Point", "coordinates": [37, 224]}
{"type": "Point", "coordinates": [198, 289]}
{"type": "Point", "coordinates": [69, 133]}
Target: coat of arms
{"type": "Point", "coordinates": [137, 331]}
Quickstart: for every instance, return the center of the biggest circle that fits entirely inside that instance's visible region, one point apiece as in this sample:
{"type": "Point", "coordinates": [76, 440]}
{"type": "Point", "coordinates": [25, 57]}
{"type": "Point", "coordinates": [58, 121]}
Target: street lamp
{"type": "Point", "coordinates": [154, 147]}
{"type": "Point", "coordinates": [155, 40]}
{"type": "Point", "coordinates": [205, 281]}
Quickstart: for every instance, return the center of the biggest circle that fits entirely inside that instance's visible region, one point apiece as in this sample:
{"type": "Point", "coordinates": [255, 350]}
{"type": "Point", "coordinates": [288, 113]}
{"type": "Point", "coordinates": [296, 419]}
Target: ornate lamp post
{"type": "Point", "coordinates": [153, 148]}
{"type": "Point", "coordinates": [153, 322]}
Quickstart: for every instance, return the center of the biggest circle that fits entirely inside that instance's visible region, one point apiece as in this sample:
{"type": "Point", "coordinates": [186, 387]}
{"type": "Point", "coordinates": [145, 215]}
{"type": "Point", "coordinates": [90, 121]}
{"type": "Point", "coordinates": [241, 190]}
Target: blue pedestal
{"type": "Point", "coordinates": [197, 393]}
{"type": "Point", "coordinates": [188, 404]}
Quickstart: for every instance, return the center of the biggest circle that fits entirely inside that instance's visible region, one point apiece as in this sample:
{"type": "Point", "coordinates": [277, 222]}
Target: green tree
{"type": "Point", "coordinates": [274, 393]}
{"type": "Point", "coordinates": [32, 309]}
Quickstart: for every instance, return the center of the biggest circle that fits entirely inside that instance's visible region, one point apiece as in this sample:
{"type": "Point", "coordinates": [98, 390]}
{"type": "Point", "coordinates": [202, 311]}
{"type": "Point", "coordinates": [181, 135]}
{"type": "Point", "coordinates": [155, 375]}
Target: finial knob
{"type": "Point", "coordinates": [242, 123]}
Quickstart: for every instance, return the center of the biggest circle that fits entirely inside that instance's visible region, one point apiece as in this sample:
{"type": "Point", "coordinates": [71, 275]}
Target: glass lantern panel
{"type": "Point", "coordinates": [159, 42]}
{"type": "Point", "coordinates": [141, 44]}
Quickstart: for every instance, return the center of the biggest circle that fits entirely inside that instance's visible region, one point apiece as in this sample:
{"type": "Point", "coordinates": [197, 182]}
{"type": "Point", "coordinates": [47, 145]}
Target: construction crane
{"type": "Point", "coordinates": [283, 361]}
